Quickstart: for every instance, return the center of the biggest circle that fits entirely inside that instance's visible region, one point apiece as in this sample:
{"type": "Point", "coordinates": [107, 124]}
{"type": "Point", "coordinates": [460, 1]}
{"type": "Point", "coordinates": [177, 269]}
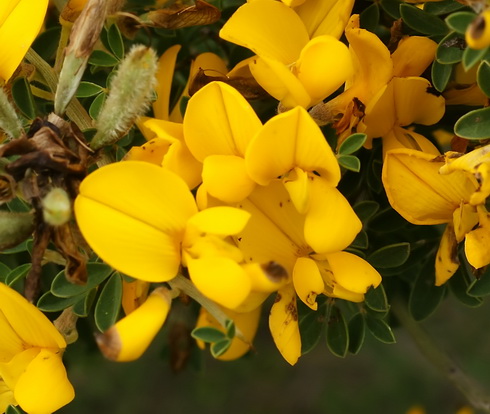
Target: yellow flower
{"type": "Point", "coordinates": [20, 22]}
{"type": "Point", "coordinates": [32, 374]}
{"type": "Point", "coordinates": [478, 32]}
{"type": "Point", "coordinates": [297, 67]}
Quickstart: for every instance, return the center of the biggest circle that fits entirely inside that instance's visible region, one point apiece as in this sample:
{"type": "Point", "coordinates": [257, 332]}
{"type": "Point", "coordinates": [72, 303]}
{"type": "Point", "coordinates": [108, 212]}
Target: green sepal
{"type": "Point", "coordinates": [421, 21]}
{"type": "Point", "coordinates": [104, 59]}
{"type": "Point", "coordinates": [109, 303]}
{"type": "Point", "coordinates": [22, 96]}
{"type": "Point", "coordinates": [380, 329]}
{"type": "Point", "coordinates": [97, 273]}
{"type": "Point", "coordinates": [460, 21]}
{"type": "Point", "coordinates": [350, 162]}
{"type": "Point", "coordinates": [369, 18]}
{"type": "Point", "coordinates": [440, 74]}
{"type": "Point", "coordinates": [88, 89]}
{"type": "Point", "coordinates": [473, 56]}
{"type": "Point", "coordinates": [390, 256]}
{"type": "Point", "coordinates": [483, 77]}
{"type": "Point", "coordinates": [219, 348]}
{"type": "Point", "coordinates": [376, 300]}
{"type": "Point", "coordinates": [83, 306]}
{"type": "Point", "coordinates": [357, 333]}
{"type": "Point", "coordinates": [208, 334]}
{"type": "Point", "coordinates": [337, 333]}
{"type": "Point", "coordinates": [352, 144]}
{"type": "Point", "coordinates": [18, 273]}
{"type": "Point", "coordinates": [450, 49]}
{"type": "Point", "coordinates": [474, 125]}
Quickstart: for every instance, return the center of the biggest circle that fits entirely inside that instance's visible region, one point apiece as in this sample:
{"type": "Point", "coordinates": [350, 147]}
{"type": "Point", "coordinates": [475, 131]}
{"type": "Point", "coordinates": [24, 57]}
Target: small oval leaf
{"type": "Point", "coordinates": [473, 56]}
{"type": "Point", "coordinates": [450, 49]}
{"type": "Point", "coordinates": [350, 162]}
{"type": "Point", "coordinates": [422, 21]}
{"type": "Point", "coordinates": [376, 300]}
{"type": "Point", "coordinates": [460, 21]}
{"type": "Point", "coordinates": [219, 348]}
{"type": "Point", "coordinates": [18, 273]}
{"type": "Point", "coordinates": [87, 89]}
{"type": "Point", "coordinates": [483, 77]}
{"type": "Point", "coordinates": [393, 255]}
{"type": "Point", "coordinates": [104, 59]}
{"type": "Point", "coordinates": [357, 333]}
{"type": "Point", "coordinates": [115, 41]}
{"type": "Point", "coordinates": [380, 329]}
{"type": "Point", "coordinates": [352, 143]}
{"type": "Point", "coordinates": [109, 303]}
{"type": "Point", "coordinates": [96, 105]}
{"type": "Point", "coordinates": [50, 303]}
{"type": "Point", "coordinates": [22, 96]}
{"type": "Point", "coordinates": [474, 125]}
{"type": "Point", "coordinates": [441, 73]}
{"type": "Point", "coordinates": [208, 334]}
{"type": "Point", "coordinates": [337, 333]}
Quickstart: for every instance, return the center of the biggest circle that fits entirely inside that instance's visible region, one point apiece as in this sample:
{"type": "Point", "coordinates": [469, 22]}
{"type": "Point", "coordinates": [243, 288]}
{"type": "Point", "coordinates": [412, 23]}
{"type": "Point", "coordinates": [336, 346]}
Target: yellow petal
{"type": "Point", "coordinates": [133, 214]}
{"type": "Point", "coordinates": [164, 75]}
{"type": "Point", "coordinates": [447, 262]}
{"type": "Point", "coordinates": [226, 178]}
{"type": "Point", "coordinates": [470, 95]}
{"type": "Point", "coordinates": [278, 80]}
{"type": "Point", "coordinates": [6, 9]}
{"type": "Point", "coordinates": [11, 372]}
{"type": "Point", "coordinates": [307, 281]}
{"type": "Point", "coordinates": [400, 137]}
{"type": "Point", "coordinates": [478, 32]}
{"type": "Point", "coordinates": [483, 174]}
{"type": "Point", "coordinates": [269, 28]}
{"type": "Point", "coordinates": [477, 242]}
{"type": "Point", "coordinates": [28, 322]}
{"type": "Point", "coordinates": [220, 279]}
{"type": "Point", "coordinates": [417, 191]}
{"type": "Point", "coordinates": [153, 152]}
{"type": "Point", "coordinates": [179, 160]}
{"type": "Point", "coordinates": [44, 387]}
{"type": "Point", "coordinates": [159, 128]}
{"type": "Point", "coordinates": [11, 343]}
{"type": "Point", "coordinates": [267, 277]}
{"type": "Point", "coordinates": [219, 120]}
{"type": "Point", "coordinates": [283, 324]}
{"type": "Point", "coordinates": [131, 336]}
{"type": "Point", "coordinates": [134, 294]}
{"type": "Point", "coordinates": [18, 31]}
{"type": "Point", "coordinates": [291, 139]}
{"type": "Point", "coordinates": [465, 218]}
{"type": "Point", "coordinates": [223, 221]}
{"type": "Point", "coordinates": [417, 102]}
{"type": "Point", "coordinates": [352, 272]}
{"type": "Point", "coordinates": [6, 397]}
{"type": "Point", "coordinates": [325, 17]}
{"type": "Point", "coordinates": [413, 55]}
{"type": "Point", "coordinates": [331, 224]}
{"type": "Point", "coordinates": [323, 66]}
{"type": "Point", "coordinates": [297, 185]}
{"type": "Point", "coordinates": [380, 113]}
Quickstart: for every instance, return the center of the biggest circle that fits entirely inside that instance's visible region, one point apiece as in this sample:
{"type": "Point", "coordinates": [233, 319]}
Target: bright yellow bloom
{"type": "Point", "coordinates": [32, 374]}
{"type": "Point", "coordinates": [295, 66]}
{"type": "Point", "coordinates": [20, 22]}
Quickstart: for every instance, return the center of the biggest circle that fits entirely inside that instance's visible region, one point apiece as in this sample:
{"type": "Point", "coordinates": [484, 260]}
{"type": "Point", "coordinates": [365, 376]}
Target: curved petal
{"type": "Point", "coordinates": [307, 281]}
{"type": "Point", "coordinates": [447, 262]}
{"type": "Point", "coordinates": [417, 191]}
{"type": "Point", "coordinates": [220, 279]}
{"type": "Point", "coordinates": [278, 80]}
{"type": "Point", "coordinates": [465, 218]}
{"type": "Point", "coordinates": [11, 343]}
{"type": "Point", "coordinates": [221, 220]}
{"type": "Point", "coordinates": [269, 28]}
{"type": "Point", "coordinates": [380, 115]}
{"type": "Point", "coordinates": [226, 178]}
{"type": "Point", "coordinates": [352, 272]}
{"type": "Point", "coordinates": [134, 294]}
{"type": "Point", "coordinates": [417, 102]}
{"type": "Point", "coordinates": [179, 160]}
{"type": "Point", "coordinates": [6, 397]}
{"type": "Point", "coordinates": [164, 75]}
{"type": "Point", "coordinates": [18, 31]}
{"type": "Point", "coordinates": [413, 55]}
{"type": "Point", "coordinates": [323, 66]}
{"type": "Point", "coordinates": [219, 120]}
{"type": "Point", "coordinates": [153, 152]}
{"type": "Point", "coordinates": [283, 324]}
{"type": "Point", "coordinates": [27, 321]}
{"type": "Point", "coordinates": [133, 214]}
{"type": "Point", "coordinates": [291, 139]}
{"type": "Point", "coordinates": [44, 376]}
{"type": "Point", "coordinates": [400, 137]}
{"type": "Point", "coordinates": [477, 242]}
{"type": "Point", "coordinates": [325, 17]}
{"type": "Point", "coordinates": [131, 336]}
{"type": "Point", "coordinates": [297, 184]}
{"type": "Point", "coordinates": [331, 224]}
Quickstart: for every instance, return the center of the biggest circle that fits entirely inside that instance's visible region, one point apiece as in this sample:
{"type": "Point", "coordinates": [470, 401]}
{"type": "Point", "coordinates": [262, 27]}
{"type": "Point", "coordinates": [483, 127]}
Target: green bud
{"type": "Point", "coordinates": [9, 121]}
{"type": "Point", "coordinates": [56, 207]}
{"type": "Point", "coordinates": [14, 228]}
{"type": "Point", "coordinates": [130, 94]}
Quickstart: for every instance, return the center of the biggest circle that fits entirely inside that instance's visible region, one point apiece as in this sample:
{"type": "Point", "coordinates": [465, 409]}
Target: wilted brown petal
{"type": "Point", "coordinates": [180, 15]}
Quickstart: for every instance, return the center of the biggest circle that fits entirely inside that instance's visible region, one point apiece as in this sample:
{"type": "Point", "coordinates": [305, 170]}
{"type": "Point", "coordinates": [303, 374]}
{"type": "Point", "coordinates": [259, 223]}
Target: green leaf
{"type": "Point", "coordinates": [361, 241]}
{"type": "Point", "coordinates": [474, 125]}
{"type": "Point", "coordinates": [366, 209]}
{"type": "Point", "coordinates": [101, 58]}
{"type": "Point", "coordinates": [392, 7]}
{"type": "Point", "coordinates": [208, 334]}
{"type": "Point", "coordinates": [22, 247]}
{"type": "Point", "coordinates": [11, 409]}
{"type": "Point", "coordinates": [115, 41]}
{"type": "Point", "coordinates": [219, 348]}
{"type": "Point", "coordinates": [459, 284]}
{"type": "Point", "coordinates": [441, 73]}
{"type": "Point", "coordinates": [109, 303]}
{"type": "Point", "coordinates": [357, 333]}
{"type": "Point", "coordinates": [96, 105]}
{"type": "Point", "coordinates": [4, 271]}
{"type": "Point", "coordinates": [97, 273]}
{"type": "Point", "coordinates": [87, 89]}
{"type": "Point", "coordinates": [352, 143]}
{"type": "Point", "coordinates": [369, 17]}
{"type": "Point", "coordinates": [18, 273]}
{"type": "Point", "coordinates": [46, 42]}
{"type": "Point", "coordinates": [230, 329]}
{"type": "Point", "coordinates": [460, 21]}
{"type": "Point", "coordinates": [83, 306]}
{"type": "Point", "coordinates": [387, 220]}
{"type": "Point", "coordinates": [22, 96]}
{"type": "Point", "coordinates": [311, 328]}
{"type": "Point", "coordinates": [393, 255]}
{"type": "Point", "coordinates": [480, 287]}
{"type": "Point", "coordinates": [483, 77]}
{"type": "Point", "coordinates": [422, 21]}
{"type": "Point", "coordinates": [350, 162]}
{"type": "Point", "coordinates": [450, 49]}
{"type": "Point", "coordinates": [473, 56]}
{"type": "Point", "coordinates": [50, 303]}
{"type": "Point", "coordinates": [425, 296]}
{"type": "Point", "coordinates": [380, 329]}
{"type": "Point", "coordinates": [337, 333]}
{"type": "Point", "coordinates": [376, 299]}
{"type": "Point", "coordinates": [442, 7]}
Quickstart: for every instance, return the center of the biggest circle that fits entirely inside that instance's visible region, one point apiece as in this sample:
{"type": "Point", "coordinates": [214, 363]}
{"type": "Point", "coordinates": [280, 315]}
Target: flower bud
{"type": "Point", "coordinates": [130, 93]}
{"type": "Point", "coordinates": [56, 207]}
{"type": "Point", "coordinates": [14, 228]}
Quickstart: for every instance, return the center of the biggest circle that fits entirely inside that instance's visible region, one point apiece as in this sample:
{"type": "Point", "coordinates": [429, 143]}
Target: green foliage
{"type": "Point", "coordinates": [109, 303]}
{"type": "Point", "coordinates": [390, 256]}
{"type": "Point", "coordinates": [450, 49]}
{"type": "Point", "coordinates": [474, 125]}
{"type": "Point", "coordinates": [22, 96]}
{"type": "Point", "coordinates": [441, 74]}
{"type": "Point", "coordinates": [483, 77]}
{"type": "Point", "coordinates": [352, 144]}
{"type": "Point", "coordinates": [421, 21]}
{"type": "Point", "coordinates": [337, 333]}
{"type": "Point", "coordinates": [460, 21]}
